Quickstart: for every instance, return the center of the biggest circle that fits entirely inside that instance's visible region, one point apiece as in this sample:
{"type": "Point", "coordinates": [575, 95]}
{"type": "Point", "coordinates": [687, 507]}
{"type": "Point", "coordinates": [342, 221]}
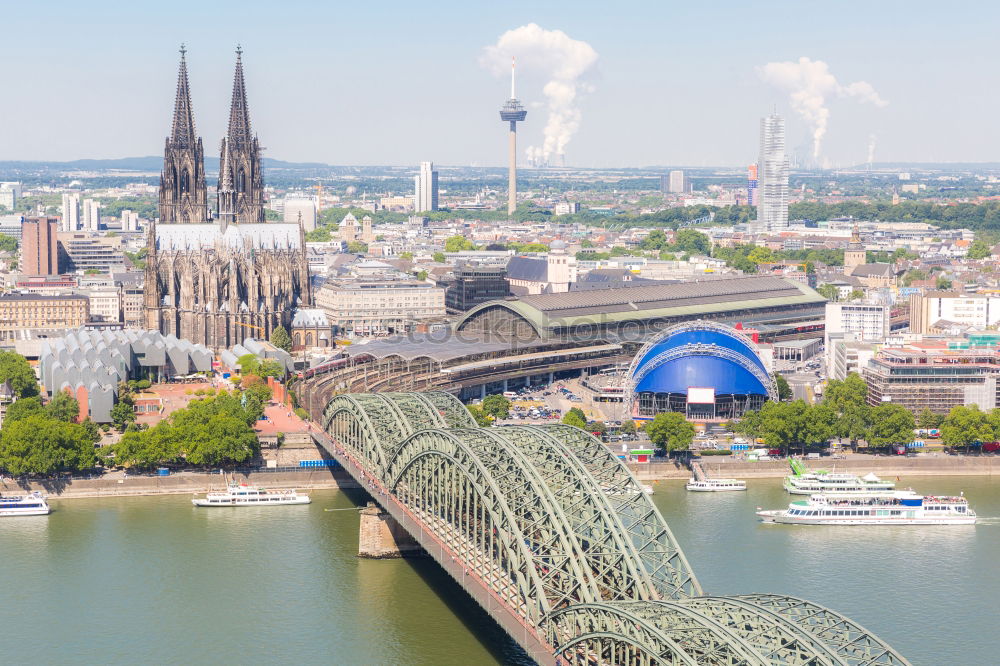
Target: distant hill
{"type": "Point", "coordinates": [151, 163]}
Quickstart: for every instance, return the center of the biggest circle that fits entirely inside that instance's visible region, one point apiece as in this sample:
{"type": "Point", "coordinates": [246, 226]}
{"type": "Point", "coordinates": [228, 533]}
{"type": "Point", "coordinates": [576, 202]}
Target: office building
{"type": "Point", "coordinates": [473, 285]}
{"type": "Point", "coordinates": [380, 307]}
{"type": "Point", "coordinates": [91, 215]}
{"type": "Point", "coordinates": [678, 182]}
{"type": "Point", "coordinates": [567, 208]}
{"type": "Point", "coordinates": [869, 322]}
{"type": "Point", "coordinates": [105, 304]}
{"type": "Point", "coordinates": [936, 376]}
{"type": "Point", "coordinates": [945, 308]}
{"type": "Point", "coordinates": [301, 208]}
{"type": "Point", "coordinates": [40, 246]}
{"type": "Point", "coordinates": [10, 192]}
{"type": "Point", "coordinates": [84, 252]}
{"type": "Point", "coordinates": [130, 220]}
{"type": "Point", "coordinates": [753, 193]}
{"type": "Point", "coordinates": [772, 209]}
{"type": "Point", "coordinates": [425, 186]}
{"type": "Point", "coordinates": [20, 312]}
{"type": "Point", "coordinates": [70, 212]}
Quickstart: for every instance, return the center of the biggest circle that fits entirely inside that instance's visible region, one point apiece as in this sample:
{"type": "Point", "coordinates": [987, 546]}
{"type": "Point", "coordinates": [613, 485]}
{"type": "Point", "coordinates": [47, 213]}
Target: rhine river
{"type": "Point", "coordinates": [154, 580]}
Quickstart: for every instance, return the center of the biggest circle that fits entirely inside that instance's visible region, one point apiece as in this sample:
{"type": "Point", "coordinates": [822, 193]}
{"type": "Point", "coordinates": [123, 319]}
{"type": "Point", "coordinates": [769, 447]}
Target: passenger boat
{"type": "Point", "coordinates": [33, 504]}
{"type": "Point", "coordinates": [803, 482]}
{"type": "Point", "coordinates": [903, 507]}
{"type": "Point", "coordinates": [242, 495]}
{"type": "Point", "coordinates": [715, 485]}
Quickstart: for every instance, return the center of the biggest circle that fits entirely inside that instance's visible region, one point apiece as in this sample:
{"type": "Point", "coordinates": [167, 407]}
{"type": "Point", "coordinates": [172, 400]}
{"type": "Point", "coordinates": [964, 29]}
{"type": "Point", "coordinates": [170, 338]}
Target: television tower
{"type": "Point", "coordinates": [512, 112]}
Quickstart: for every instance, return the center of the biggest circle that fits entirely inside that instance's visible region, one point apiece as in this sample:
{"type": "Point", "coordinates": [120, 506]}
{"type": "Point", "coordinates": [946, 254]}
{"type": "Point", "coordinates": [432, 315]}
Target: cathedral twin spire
{"type": "Point", "coordinates": [183, 193]}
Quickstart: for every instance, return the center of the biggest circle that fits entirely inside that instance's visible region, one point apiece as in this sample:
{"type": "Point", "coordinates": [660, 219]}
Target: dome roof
{"type": "Point", "coordinates": [699, 366]}
{"type": "Point", "coordinates": [557, 245]}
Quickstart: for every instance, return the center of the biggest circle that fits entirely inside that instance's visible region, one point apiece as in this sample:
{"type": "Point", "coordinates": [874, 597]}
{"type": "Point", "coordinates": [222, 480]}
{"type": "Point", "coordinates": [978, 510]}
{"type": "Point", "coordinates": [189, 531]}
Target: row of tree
{"type": "Point", "coordinates": [213, 431]}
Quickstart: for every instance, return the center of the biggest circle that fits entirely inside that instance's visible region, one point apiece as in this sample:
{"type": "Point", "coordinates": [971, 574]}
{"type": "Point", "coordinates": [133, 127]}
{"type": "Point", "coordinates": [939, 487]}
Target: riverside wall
{"type": "Point", "coordinates": [184, 483]}
{"type": "Point", "coordinates": [885, 467]}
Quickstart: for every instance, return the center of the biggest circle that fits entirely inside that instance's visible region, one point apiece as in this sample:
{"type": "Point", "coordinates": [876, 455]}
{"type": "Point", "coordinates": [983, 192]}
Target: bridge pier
{"type": "Point", "coordinates": [381, 537]}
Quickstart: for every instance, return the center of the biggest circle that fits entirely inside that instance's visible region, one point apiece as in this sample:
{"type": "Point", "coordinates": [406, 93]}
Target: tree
{"type": "Point", "coordinates": [761, 255]}
{"type": "Point", "coordinates": [942, 283]}
{"type": "Point", "coordinates": [281, 339]}
{"type": "Point", "coordinates": [408, 256]}
{"type": "Point", "coordinates": [41, 445]}
{"type": "Point", "coordinates": [458, 243]}
{"type": "Point", "coordinates": [14, 368]}
{"type": "Point", "coordinates": [829, 291]}
{"type": "Point", "coordinates": [784, 390]}
{"type": "Point", "coordinates": [978, 250]}
{"type": "Point", "coordinates": [670, 431]}
{"type": "Point", "coordinates": [929, 420]}
{"type": "Point", "coordinates": [8, 243]}
{"type": "Point", "coordinates": [357, 247]}
{"type": "Point", "coordinates": [271, 368]}
{"type": "Point", "coordinates": [249, 364]}
{"type": "Point", "coordinates": [123, 413]}
{"type": "Point", "coordinates": [63, 407]}
{"type": "Point", "coordinates": [689, 240]}
{"type": "Point", "coordinates": [439, 258]}
{"type": "Point", "coordinates": [496, 406]}
{"type": "Point", "coordinates": [891, 425]}
{"type": "Point", "coordinates": [320, 235]}
{"type": "Point", "coordinates": [856, 294]}
{"type": "Point", "coordinates": [849, 401]}
{"type": "Point", "coordinates": [964, 426]}
{"type": "Point", "coordinates": [24, 408]}
{"type": "Point", "coordinates": [482, 418]}
{"type": "Point", "coordinates": [628, 427]}
{"type": "Point", "coordinates": [422, 275]}
{"type": "Point", "coordinates": [597, 427]}
{"type": "Point", "coordinates": [575, 419]}
{"type": "Point", "coordinates": [148, 448]}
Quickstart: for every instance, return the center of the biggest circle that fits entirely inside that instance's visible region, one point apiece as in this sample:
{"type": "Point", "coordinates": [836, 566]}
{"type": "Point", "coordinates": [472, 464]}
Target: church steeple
{"type": "Point", "coordinates": [183, 192]}
{"type": "Point", "coordinates": [183, 133]}
{"type": "Point", "coordinates": [239, 114]}
{"type": "Point", "coordinates": [241, 179]}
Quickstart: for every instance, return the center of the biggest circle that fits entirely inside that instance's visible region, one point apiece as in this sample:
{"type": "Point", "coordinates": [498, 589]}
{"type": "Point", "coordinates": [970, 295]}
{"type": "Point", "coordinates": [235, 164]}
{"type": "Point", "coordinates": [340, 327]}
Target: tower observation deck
{"type": "Point", "coordinates": [512, 112]}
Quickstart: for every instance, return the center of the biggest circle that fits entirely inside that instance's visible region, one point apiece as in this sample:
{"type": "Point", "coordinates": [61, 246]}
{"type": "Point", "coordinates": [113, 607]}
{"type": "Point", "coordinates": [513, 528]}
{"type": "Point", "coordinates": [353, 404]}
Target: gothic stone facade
{"type": "Point", "coordinates": [219, 281]}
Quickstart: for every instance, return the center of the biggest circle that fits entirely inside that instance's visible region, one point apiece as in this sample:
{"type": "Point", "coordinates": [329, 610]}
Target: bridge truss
{"type": "Point", "coordinates": [563, 537]}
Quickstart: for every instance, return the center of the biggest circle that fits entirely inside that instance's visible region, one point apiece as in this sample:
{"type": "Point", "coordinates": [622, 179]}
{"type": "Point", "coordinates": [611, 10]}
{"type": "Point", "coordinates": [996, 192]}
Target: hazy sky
{"type": "Point", "coordinates": [398, 82]}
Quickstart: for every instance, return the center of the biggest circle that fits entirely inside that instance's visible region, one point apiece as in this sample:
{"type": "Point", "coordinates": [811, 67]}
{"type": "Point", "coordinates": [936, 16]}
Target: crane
{"type": "Point", "coordinates": [259, 328]}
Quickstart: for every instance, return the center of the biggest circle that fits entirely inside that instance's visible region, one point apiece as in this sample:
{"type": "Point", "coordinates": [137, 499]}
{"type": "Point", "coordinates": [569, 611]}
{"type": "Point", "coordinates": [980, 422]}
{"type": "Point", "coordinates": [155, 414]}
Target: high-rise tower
{"type": "Point", "coordinates": [512, 112]}
{"type": "Point", "coordinates": [241, 179]}
{"type": "Point", "coordinates": [183, 194]}
{"type": "Point", "coordinates": [425, 189]}
{"type": "Point", "coordinates": [772, 209]}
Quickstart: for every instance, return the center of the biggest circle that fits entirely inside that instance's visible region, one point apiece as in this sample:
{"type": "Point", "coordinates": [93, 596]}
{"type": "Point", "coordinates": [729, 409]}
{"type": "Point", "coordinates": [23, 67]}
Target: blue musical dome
{"type": "Point", "coordinates": [699, 355]}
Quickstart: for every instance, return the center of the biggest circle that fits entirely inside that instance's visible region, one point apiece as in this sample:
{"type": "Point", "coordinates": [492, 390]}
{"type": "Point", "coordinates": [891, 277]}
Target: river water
{"type": "Point", "coordinates": [154, 580]}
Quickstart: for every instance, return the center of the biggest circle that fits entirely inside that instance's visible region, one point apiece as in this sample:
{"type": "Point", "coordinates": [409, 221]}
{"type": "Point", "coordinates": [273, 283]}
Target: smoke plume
{"type": "Point", "coordinates": [871, 149]}
{"type": "Point", "coordinates": [560, 59]}
{"type": "Point", "coordinates": [809, 84]}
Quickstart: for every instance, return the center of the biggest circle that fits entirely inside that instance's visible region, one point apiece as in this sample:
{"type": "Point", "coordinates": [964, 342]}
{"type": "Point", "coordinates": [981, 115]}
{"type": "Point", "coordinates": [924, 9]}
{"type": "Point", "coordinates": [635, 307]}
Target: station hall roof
{"type": "Point", "coordinates": [654, 301]}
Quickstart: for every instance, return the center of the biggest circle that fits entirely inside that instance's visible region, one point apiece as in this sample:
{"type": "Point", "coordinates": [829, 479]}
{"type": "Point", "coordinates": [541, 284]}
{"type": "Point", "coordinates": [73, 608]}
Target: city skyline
{"type": "Point", "coordinates": [664, 96]}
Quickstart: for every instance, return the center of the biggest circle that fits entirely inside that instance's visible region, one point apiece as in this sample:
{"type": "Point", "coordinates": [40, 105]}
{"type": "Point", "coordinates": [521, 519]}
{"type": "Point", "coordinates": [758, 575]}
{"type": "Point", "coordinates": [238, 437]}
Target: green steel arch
{"type": "Point", "coordinates": [557, 528]}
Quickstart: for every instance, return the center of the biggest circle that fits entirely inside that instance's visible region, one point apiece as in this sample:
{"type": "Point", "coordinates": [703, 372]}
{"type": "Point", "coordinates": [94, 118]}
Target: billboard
{"type": "Point", "coordinates": [701, 396]}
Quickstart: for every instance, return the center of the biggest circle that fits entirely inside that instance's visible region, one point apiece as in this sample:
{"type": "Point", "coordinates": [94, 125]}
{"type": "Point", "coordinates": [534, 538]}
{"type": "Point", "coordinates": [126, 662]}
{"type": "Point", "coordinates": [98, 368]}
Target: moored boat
{"type": "Point", "coordinates": [903, 507]}
{"type": "Point", "coordinates": [803, 482]}
{"type": "Point", "coordinates": [242, 495]}
{"type": "Point", "coordinates": [32, 504]}
{"type": "Point", "coordinates": [715, 485]}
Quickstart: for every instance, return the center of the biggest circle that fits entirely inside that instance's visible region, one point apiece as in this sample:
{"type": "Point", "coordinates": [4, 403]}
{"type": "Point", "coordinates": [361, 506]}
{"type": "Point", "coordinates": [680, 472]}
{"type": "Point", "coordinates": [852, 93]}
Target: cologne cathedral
{"type": "Point", "coordinates": [217, 279]}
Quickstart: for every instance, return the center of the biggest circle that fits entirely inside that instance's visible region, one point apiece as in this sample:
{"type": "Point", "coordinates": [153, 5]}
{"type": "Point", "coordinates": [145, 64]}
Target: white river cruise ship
{"type": "Point", "coordinates": [32, 504]}
{"type": "Point", "coordinates": [903, 507]}
{"type": "Point", "coordinates": [241, 495]}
